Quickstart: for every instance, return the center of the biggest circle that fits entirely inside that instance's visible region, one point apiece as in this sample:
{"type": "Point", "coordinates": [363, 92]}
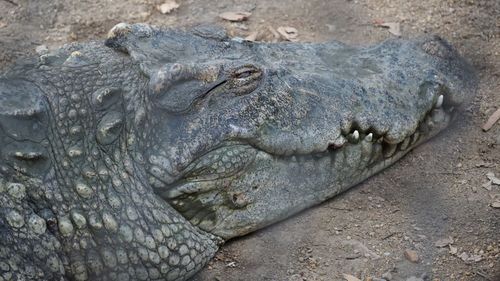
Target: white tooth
{"type": "Point", "coordinates": [366, 152]}
{"type": "Point", "coordinates": [369, 137]}
{"type": "Point", "coordinates": [355, 135]}
{"type": "Point", "coordinates": [439, 102]}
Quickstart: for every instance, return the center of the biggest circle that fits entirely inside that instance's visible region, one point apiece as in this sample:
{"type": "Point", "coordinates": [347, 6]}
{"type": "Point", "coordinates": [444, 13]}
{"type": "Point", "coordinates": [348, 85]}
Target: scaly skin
{"type": "Point", "coordinates": [135, 159]}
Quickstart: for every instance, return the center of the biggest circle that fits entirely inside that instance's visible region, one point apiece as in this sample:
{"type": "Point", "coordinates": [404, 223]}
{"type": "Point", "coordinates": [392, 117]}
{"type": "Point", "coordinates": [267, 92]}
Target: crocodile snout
{"type": "Point", "coordinates": [453, 71]}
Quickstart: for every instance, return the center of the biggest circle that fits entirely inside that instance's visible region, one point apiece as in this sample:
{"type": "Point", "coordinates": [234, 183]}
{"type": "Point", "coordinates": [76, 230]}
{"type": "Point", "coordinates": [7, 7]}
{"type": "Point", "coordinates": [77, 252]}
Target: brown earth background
{"type": "Point", "coordinates": [435, 192]}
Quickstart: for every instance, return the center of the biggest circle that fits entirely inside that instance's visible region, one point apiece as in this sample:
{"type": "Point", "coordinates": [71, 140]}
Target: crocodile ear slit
{"type": "Point", "coordinates": [20, 98]}
{"type": "Point", "coordinates": [23, 125]}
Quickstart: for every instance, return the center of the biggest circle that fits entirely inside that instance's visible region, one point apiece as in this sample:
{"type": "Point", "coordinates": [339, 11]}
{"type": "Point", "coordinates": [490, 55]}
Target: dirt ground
{"type": "Point", "coordinates": [435, 192]}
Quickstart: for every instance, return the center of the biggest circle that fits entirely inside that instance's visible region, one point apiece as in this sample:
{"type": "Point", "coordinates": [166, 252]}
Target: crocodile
{"type": "Point", "coordinates": [137, 157]}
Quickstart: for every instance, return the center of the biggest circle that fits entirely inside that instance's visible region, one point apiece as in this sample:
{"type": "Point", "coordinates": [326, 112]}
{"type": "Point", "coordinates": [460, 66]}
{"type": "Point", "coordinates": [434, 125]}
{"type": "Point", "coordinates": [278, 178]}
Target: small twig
{"type": "Point", "coordinates": [11, 2]}
{"type": "Point", "coordinates": [341, 209]}
{"type": "Point", "coordinates": [444, 173]}
{"type": "Point", "coordinates": [492, 120]}
{"type": "Point", "coordinates": [390, 235]}
{"type": "Point", "coordinates": [353, 257]}
{"type": "Point", "coordinates": [483, 275]}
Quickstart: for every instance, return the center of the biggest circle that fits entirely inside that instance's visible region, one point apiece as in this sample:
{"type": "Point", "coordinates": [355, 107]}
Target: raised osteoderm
{"type": "Point", "coordinates": [134, 159]}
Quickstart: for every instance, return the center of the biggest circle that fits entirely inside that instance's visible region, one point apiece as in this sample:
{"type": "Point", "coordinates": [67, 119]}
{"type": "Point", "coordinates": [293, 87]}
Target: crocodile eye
{"type": "Point", "coordinates": [247, 72]}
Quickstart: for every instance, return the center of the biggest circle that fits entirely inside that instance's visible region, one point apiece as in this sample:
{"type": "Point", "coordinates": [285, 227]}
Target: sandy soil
{"type": "Point", "coordinates": [434, 193]}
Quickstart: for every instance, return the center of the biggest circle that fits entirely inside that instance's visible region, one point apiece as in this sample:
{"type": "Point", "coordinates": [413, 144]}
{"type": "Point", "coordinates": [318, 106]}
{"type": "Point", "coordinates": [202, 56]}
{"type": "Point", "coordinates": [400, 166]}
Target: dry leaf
{"type": "Point", "coordinates": [288, 33]}
{"type": "Point", "coordinates": [487, 185]}
{"type": "Point", "coordinates": [252, 36]}
{"type": "Point", "coordinates": [492, 120]}
{"type": "Point", "coordinates": [470, 258]}
{"type": "Point", "coordinates": [453, 250]}
{"type": "Point", "coordinates": [496, 204]}
{"type": "Point", "coordinates": [168, 7]}
{"type": "Point", "coordinates": [235, 16]}
{"type": "Point", "coordinates": [394, 27]}
{"type": "Point", "coordinates": [444, 242]}
{"type": "Point", "coordinates": [274, 32]}
{"type": "Point", "coordinates": [349, 277]}
{"type": "Point", "coordinates": [492, 178]}
{"type": "Point", "coordinates": [3, 24]}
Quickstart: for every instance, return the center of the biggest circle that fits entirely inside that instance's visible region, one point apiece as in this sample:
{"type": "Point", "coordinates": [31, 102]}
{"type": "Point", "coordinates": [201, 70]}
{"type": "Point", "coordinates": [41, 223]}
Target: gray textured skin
{"type": "Point", "coordinates": [135, 159]}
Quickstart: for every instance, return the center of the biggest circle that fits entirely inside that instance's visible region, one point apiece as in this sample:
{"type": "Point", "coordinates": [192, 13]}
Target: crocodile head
{"type": "Point", "coordinates": [243, 134]}
{"type": "Point", "coordinates": [130, 160]}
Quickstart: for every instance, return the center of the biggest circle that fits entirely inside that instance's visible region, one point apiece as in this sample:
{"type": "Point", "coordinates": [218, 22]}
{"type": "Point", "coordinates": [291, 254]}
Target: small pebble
{"type": "Point", "coordinates": [387, 276]}
{"type": "Point", "coordinates": [412, 256]}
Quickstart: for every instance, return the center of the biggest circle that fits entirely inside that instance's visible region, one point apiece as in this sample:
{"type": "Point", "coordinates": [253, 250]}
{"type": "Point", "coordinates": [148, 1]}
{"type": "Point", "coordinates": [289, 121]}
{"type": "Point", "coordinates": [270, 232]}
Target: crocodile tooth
{"type": "Point", "coordinates": [366, 151]}
{"type": "Point", "coordinates": [389, 150]}
{"type": "Point", "coordinates": [405, 144]}
{"type": "Point", "coordinates": [439, 102]}
{"type": "Point", "coordinates": [355, 135]}
{"type": "Point", "coordinates": [369, 137]}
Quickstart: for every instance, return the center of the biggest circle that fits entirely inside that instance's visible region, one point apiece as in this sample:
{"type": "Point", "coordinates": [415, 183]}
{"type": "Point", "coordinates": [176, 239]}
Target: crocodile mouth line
{"type": "Point", "coordinates": [224, 183]}
{"type": "Point", "coordinates": [218, 166]}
